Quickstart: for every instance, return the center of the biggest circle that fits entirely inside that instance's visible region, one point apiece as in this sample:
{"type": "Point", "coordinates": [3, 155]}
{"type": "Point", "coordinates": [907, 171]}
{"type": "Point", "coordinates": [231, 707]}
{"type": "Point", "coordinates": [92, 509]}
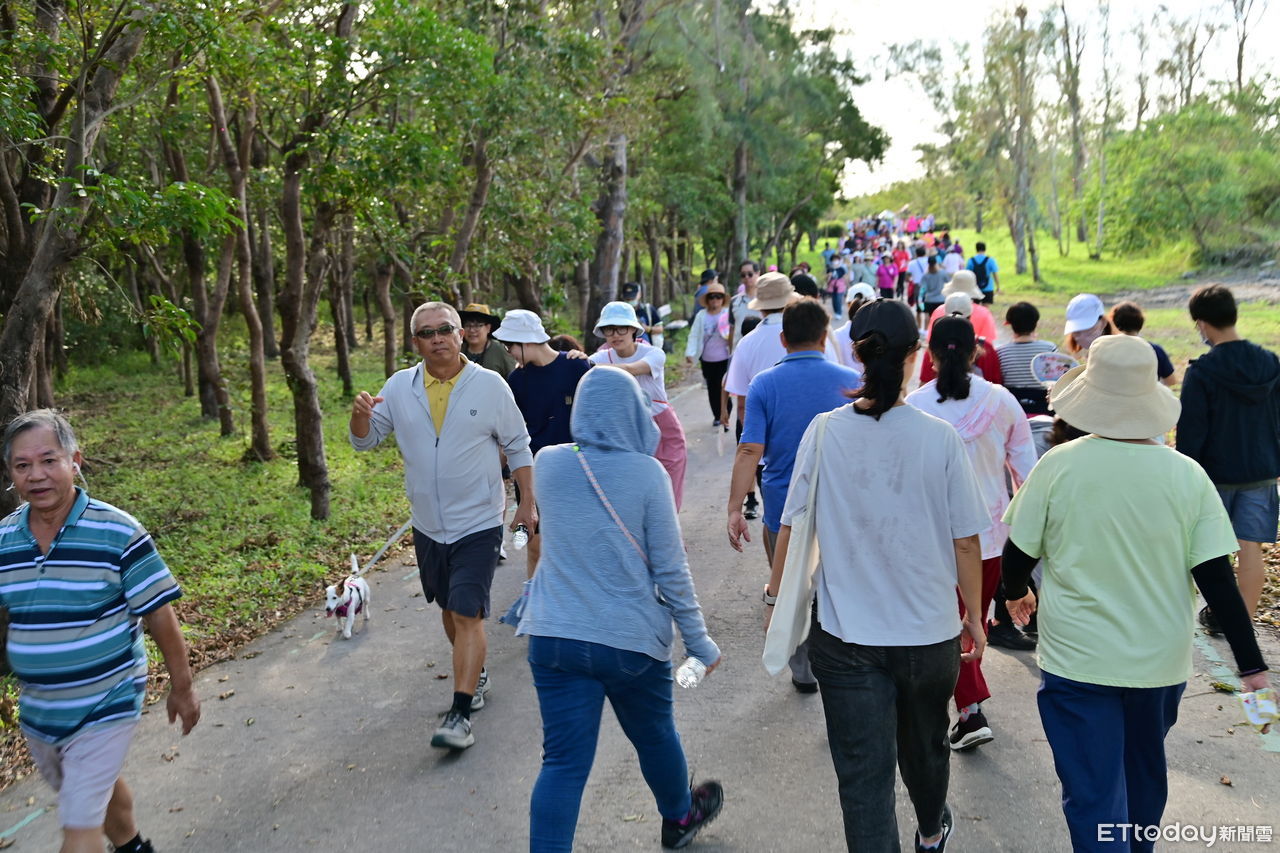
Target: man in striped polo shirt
{"type": "Point", "coordinates": [80, 579]}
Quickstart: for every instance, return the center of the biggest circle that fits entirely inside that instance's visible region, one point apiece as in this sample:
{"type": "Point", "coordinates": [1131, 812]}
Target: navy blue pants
{"type": "Point", "coordinates": [1108, 749]}
{"type": "Point", "coordinates": [573, 678]}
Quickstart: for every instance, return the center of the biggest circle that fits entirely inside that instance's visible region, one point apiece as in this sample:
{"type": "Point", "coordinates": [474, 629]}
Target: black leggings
{"type": "Point", "coordinates": [713, 372]}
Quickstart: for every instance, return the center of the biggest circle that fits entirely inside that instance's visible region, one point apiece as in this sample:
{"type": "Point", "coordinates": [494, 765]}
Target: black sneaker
{"type": "Point", "coordinates": [752, 510]}
{"type": "Point", "coordinates": [804, 686]}
{"type": "Point", "coordinates": [970, 733]}
{"type": "Point", "coordinates": [1209, 622]}
{"type": "Point", "coordinates": [707, 800]}
{"type": "Point", "coordinates": [1007, 636]}
{"type": "Point", "coordinates": [946, 833]}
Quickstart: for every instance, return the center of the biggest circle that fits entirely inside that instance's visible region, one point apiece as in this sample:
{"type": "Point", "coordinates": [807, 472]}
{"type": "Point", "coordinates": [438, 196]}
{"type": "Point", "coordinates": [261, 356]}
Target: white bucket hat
{"type": "Point", "coordinates": [864, 290]}
{"type": "Point", "coordinates": [964, 281]}
{"type": "Point", "coordinates": [617, 314]}
{"type": "Point", "coordinates": [1083, 312]}
{"type": "Point", "coordinates": [1116, 393]}
{"type": "Point", "coordinates": [521, 327]}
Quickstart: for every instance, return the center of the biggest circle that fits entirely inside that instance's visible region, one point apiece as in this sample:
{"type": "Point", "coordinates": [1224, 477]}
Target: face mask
{"type": "Point", "coordinates": [1203, 339]}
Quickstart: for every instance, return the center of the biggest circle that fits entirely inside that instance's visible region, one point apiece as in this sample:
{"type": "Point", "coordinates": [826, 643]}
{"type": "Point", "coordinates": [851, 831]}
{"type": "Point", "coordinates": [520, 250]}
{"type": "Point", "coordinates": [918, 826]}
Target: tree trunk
{"type": "Point", "coordinates": [655, 264]}
{"type": "Point", "coordinates": [739, 249]}
{"type": "Point", "coordinates": [135, 295]}
{"type": "Point", "coordinates": [264, 281]}
{"type": "Point", "coordinates": [1035, 255]}
{"type": "Point", "coordinates": [382, 288]}
{"type": "Point", "coordinates": [610, 209]}
{"type": "Point", "coordinates": [338, 311]}
{"type": "Point", "coordinates": [347, 274]}
{"type": "Point", "coordinates": [582, 287]}
{"type": "Point", "coordinates": [479, 156]}
{"type": "Point", "coordinates": [526, 291]}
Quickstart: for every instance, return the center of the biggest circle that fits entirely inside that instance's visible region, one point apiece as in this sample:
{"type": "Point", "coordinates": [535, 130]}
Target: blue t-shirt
{"type": "Point", "coordinates": [781, 402]}
{"type": "Point", "coordinates": [991, 265]}
{"type": "Point", "coordinates": [545, 398]}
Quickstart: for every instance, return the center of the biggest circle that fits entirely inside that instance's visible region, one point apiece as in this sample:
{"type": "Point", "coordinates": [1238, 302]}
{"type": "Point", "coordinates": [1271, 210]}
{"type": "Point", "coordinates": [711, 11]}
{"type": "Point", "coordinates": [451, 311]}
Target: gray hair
{"type": "Point", "coordinates": [434, 306]}
{"type": "Point", "coordinates": [35, 418]}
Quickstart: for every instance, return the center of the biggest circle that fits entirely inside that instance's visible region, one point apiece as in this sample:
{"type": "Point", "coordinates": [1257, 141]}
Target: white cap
{"type": "Point", "coordinates": [1083, 312]}
{"type": "Point", "coordinates": [521, 327]}
{"type": "Point", "coordinates": [958, 303]}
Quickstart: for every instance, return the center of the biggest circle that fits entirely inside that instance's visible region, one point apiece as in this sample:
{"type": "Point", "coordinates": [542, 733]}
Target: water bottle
{"type": "Point", "coordinates": [520, 538]}
{"type": "Point", "coordinates": [691, 672]}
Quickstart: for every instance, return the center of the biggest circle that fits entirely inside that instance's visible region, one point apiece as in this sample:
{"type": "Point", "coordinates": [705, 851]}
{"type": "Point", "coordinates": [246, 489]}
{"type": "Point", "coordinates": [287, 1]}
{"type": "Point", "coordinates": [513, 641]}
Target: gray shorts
{"type": "Point", "coordinates": [84, 770]}
{"type": "Point", "coordinates": [1254, 509]}
{"type": "Point", "coordinates": [459, 575]}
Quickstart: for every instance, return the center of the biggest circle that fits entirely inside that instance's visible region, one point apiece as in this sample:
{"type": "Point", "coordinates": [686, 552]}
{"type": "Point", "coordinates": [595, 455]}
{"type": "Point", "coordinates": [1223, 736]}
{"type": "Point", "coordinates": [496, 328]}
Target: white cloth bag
{"type": "Point", "coordinates": [792, 613]}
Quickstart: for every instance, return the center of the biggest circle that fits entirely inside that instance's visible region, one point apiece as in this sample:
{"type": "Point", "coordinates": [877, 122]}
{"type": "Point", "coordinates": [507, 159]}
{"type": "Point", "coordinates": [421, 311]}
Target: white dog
{"type": "Point", "coordinates": [346, 600]}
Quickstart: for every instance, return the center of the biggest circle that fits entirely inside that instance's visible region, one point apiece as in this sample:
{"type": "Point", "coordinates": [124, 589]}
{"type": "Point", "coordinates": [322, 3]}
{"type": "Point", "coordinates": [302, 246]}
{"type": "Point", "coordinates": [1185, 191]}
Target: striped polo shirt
{"type": "Point", "coordinates": [75, 628]}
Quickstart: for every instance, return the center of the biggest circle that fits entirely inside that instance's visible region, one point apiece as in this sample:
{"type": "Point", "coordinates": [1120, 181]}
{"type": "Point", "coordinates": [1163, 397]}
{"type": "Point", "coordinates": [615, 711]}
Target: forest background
{"type": "Point", "coordinates": [216, 218]}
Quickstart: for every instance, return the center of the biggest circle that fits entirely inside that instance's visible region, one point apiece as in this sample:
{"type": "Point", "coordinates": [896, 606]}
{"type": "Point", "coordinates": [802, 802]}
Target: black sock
{"type": "Point", "coordinates": [462, 704]}
{"type": "Point", "coordinates": [133, 845]}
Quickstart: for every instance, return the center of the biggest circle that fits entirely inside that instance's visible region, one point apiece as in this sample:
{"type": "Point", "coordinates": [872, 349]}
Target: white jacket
{"type": "Point", "coordinates": [454, 481]}
{"type": "Point", "coordinates": [698, 333]}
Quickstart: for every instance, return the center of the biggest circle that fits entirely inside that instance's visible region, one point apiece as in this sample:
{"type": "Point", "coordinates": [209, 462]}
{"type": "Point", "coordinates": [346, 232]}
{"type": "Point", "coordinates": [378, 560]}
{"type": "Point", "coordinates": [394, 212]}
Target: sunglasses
{"type": "Point", "coordinates": [711, 296]}
{"type": "Point", "coordinates": [427, 334]}
{"type": "Point", "coordinates": [746, 274]}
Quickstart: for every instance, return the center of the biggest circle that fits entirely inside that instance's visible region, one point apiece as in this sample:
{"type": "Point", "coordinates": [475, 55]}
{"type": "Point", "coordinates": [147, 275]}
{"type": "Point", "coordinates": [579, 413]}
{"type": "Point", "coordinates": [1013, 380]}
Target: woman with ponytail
{"type": "Point", "coordinates": [997, 438]}
{"type": "Point", "coordinates": [897, 526]}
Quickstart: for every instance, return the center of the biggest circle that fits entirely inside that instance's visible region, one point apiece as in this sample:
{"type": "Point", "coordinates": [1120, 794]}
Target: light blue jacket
{"type": "Point", "coordinates": [592, 584]}
{"type": "Point", "coordinates": [454, 480]}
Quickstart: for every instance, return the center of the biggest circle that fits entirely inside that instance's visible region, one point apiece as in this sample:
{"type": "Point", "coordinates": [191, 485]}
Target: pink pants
{"type": "Point", "coordinates": [671, 450]}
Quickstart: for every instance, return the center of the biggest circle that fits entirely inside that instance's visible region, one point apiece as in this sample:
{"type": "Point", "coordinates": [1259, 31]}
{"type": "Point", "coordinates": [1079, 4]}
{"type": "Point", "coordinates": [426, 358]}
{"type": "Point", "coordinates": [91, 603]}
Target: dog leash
{"type": "Point", "coordinates": [356, 571]}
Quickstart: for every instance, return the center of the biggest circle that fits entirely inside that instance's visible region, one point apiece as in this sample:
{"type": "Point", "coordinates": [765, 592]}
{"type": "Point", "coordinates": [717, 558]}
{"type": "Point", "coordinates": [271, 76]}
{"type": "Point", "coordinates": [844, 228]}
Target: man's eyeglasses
{"type": "Point", "coordinates": [428, 334]}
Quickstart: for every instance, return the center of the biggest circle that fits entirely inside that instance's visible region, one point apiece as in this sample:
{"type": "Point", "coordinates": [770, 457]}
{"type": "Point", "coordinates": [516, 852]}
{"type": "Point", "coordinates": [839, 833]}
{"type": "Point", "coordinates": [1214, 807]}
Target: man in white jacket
{"type": "Point", "coordinates": [451, 418]}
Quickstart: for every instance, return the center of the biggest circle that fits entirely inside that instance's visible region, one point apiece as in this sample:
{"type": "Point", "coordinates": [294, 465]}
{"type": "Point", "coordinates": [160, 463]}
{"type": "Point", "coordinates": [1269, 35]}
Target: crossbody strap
{"type": "Point", "coordinates": [591, 477]}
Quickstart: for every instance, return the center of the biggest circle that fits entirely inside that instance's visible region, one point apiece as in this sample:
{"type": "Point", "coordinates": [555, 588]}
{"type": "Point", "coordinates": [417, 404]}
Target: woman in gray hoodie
{"type": "Point", "coordinates": [612, 579]}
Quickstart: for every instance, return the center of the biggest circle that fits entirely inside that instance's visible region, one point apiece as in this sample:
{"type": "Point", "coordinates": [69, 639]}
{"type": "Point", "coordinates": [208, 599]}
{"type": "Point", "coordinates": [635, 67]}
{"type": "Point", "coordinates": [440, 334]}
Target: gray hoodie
{"type": "Point", "coordinates": [592, 584]}
{"type": "Point", "coordinates": [454, 480]}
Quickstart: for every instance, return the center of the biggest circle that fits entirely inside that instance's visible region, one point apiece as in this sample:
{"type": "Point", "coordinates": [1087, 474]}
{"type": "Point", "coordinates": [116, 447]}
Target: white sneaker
{"type": "Point", "coordinates": [454, 732]}
{"type": "Point", "coordinates": [482, 688]}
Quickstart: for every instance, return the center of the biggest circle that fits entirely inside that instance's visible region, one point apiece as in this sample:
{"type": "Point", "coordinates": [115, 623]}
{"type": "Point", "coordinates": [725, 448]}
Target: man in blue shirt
{"type": "Point", "coordinates": [780, 403]}
{"type": "Point", "coordinates": [986, 271]}
{"type": "Point", "coordinates": [544, 385]}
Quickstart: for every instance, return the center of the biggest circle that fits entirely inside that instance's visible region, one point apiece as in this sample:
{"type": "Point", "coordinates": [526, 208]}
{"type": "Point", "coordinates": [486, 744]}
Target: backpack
{"type": "Point", "coordinates": [980, 271]}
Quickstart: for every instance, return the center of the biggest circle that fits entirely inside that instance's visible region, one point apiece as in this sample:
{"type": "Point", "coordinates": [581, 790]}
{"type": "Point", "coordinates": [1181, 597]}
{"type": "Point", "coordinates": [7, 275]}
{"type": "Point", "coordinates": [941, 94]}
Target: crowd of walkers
{"type": "Point", "coordinates": [957, 497]}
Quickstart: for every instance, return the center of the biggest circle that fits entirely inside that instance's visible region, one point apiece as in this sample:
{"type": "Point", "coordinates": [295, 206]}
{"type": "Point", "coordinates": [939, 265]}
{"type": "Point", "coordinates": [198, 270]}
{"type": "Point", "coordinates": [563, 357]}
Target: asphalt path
{"type": "Point", "coordinates": [314, 743]}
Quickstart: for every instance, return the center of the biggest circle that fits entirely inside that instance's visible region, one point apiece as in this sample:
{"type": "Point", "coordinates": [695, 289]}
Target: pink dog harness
{"type": "Point", "coordinates": [341, 610]}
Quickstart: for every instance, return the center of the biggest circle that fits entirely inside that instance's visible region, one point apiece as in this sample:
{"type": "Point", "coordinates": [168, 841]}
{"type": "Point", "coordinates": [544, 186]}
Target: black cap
{"type": "Point", "coordinates": [630, 289]}
{"type": "Point", "coordinates": [889, 317]}
{"type": "Point", "coordinates": [708, 275]}
{"type": "Point", "coordinates": [805, 284]}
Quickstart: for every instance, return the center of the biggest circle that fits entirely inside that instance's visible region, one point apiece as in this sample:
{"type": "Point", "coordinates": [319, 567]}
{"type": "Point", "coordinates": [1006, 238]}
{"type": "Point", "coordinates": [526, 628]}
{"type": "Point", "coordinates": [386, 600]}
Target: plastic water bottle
{"type": "Point", "coordinates": [520, 538]}
{"type": "Point", "coordinates": [691, 672]}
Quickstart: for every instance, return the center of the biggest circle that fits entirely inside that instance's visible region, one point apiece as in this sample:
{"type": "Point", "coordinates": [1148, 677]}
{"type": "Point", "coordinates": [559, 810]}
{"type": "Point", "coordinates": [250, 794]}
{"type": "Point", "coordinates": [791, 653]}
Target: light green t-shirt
{"type": "Point", "coordinates": [1119, 527]}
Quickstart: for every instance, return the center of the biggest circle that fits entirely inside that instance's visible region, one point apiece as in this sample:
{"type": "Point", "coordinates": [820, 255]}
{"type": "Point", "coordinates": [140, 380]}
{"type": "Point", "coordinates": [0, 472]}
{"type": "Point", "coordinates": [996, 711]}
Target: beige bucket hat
{"type": "Point", "coordinates": [774, 292]}
{"type": "Point", "coordinates": [1116, 393]}
{"type": "Point", "coordinates": [964, 281]}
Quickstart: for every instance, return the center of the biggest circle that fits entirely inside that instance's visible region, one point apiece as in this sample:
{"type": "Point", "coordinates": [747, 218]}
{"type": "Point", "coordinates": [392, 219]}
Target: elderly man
{"type": "Point", "coordinates": [451, 418]}
{"type": "Point", "coordinates": [80, 578]}
{"type": "Point", "coordinates": [478, 323]}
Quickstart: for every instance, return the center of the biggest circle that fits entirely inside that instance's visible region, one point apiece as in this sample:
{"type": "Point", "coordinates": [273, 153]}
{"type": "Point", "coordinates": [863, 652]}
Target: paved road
{"type": "Point", "coordinates": [324, 744]}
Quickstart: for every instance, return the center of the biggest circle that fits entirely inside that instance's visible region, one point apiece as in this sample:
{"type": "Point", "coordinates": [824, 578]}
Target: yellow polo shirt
{"type": "Point", "coordinates": [438, 391]}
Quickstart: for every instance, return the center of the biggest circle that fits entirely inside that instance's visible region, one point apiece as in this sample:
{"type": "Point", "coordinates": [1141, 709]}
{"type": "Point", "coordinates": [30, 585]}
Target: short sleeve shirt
{"type": "Point", "coordinates": [1119, 527]}
{"type": "Point", "coordinates": [893, 495]}
{"type": "Point", "coordinates": [75, 632]}
{"type": "Point", "coordinates": [545, 394]}
{"type": "Point", "coordinates": [652, 384]}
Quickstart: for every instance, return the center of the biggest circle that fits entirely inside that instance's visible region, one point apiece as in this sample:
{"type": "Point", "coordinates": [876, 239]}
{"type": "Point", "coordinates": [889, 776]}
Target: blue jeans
{"type": "Point", "coordinates": [573, 678]}
{"type": "Point", "coordinates": [837, 304]}
{"type": "Point", "coordinates": [886, 705]}
{"type": "Point", "coordinates": [1108, 749]}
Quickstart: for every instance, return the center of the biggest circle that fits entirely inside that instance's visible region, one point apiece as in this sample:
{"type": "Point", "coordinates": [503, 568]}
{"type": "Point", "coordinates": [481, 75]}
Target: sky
{"type": "Point", "coordinates": [867, 28]}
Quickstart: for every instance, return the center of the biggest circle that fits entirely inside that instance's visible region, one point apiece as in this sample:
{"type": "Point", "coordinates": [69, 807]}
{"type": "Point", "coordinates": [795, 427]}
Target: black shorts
{"type": "Point", "coordinates": [459, 575]}
{"type": "Point", "coordinates": [988, 297]}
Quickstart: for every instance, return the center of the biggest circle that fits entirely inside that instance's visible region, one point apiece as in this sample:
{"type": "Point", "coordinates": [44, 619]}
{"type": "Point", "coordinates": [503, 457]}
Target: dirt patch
{"type": "Point", "coordinates": [1251, 284]}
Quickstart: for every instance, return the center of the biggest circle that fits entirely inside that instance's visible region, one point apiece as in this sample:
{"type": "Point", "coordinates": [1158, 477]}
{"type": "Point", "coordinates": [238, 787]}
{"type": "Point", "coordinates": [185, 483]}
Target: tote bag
{"type": "Point", "coordinates": [791, 614]}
